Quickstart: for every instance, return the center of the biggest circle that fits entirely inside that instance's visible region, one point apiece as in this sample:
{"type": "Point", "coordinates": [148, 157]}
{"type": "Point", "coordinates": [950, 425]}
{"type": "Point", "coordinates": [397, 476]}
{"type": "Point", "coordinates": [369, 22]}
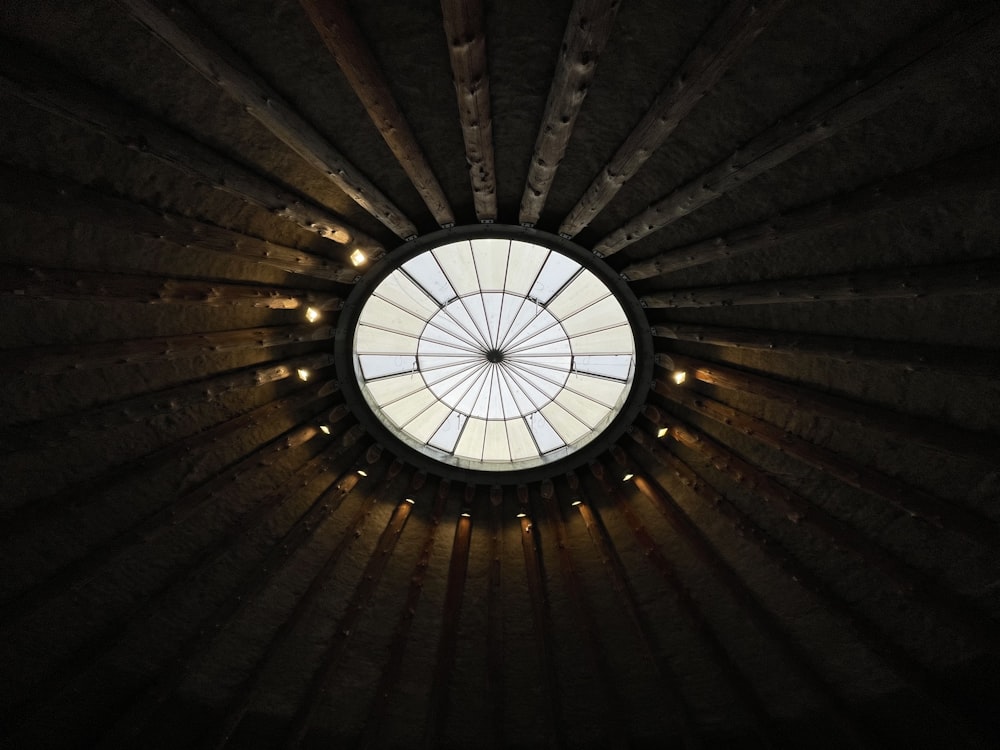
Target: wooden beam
{"type": "Point", "coordinates": [69, 200]}
{"type": "Point", "coordinates": [55, 359]}
{"type": "Point", "coordinates": [587, 32]}
{"type": "Point", "coordinates": [920, 430]}
{"type": "Point", "coordinates": [610, 696]}
{"type": "Point", "coordinates": [48, 284]}
{"type": "Point", "coordinates": [742, 688]}
{"type": "Point", "coordinates": [184, 33]}
{"type": "Point", "coordinates": [964, 359]}
{"type": "Point", "coordinates": [963, 37]}
{"type": "Point", "coordinates": [906, 498]}
{"type": "Point", "coordinates": [906, 580]}
{"type": "Point", "coordinates": [914, 282]}
{"type": "Point", "coordinates": [371, 731]}
{"type": "Point", "coordinates": [438, 703]}
{"type": "Point", "coordinates": [967, 172]}
{"type": "Point", "coordinates": [340, 33]}
{"type": "Point", "coordinates": [319, 682]}
{"type": "Point", "coordinates": [65, 427]}
{"type": "Point", "coordinates": [90, 489]}
{"type": "Point", "coordinates": [134, 619]}
{"type": "Point", "coordinates": [242, 697]}
{"type": "Point", "coordinates": [466, 34]}
{"type": "Point", "coordinates": [542, 618]}
{"type": "Point", "coordinates": [48, 86]}
{"type": "Point", "coordinates": [725, 41]}
{"type": "Point", "coordinates": [944, 702]}
{"type": "Point", "coordinates": [767, 623]}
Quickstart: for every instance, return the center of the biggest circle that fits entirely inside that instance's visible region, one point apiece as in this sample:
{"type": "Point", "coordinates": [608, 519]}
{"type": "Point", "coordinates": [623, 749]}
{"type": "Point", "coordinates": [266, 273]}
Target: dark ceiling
{"type": "Point", "coordinates": [809, 557]}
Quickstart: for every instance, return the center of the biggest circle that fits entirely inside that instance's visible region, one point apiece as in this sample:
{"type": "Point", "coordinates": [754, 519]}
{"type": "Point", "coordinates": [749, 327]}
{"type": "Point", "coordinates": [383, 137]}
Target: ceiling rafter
{"type": "Point", "coordinates": [466, 36]}
{"type": "Point", "coordinates": [912, 282]}
{"type": "Point", "coordinates": [795, 655]}
{"type": "Point", "coordinates": [962, 37]}
{"type": "Point", "coordinates": [48, 284]}
{"type": "Point", "coordinates": [63, 427]}
{"type": "Point", "coordinates": [873, 636]}
{"type": "Point", "coordinates": [908, 499]}
{"type": "Point", "coordinates": [849, 349]}
{"type": "Point", "coordinates": [905, 580]}
{"type": "Point", "coordinates": [35, 192]}
{"type": "Point", "coordinates": [918, 430]}
{"type": "Point", "coordinates": [210, 56]}
{"type": "Point", "coordinates": [587, 32]}
{"type": "Point", "coordinates": [144, 703]}
{"type": "Point", "coordinates": [967, 172]}
{"type": "Point", "coordinates": [343, 38]}
{"type": "Point", "coordinates": [730, 34]}
{"type": "Point", "coordinates": [60, 92]}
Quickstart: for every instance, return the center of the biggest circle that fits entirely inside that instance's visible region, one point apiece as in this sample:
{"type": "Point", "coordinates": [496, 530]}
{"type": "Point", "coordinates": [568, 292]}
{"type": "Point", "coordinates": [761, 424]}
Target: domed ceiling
{"type": "Point", "coordinates": [793, 543]}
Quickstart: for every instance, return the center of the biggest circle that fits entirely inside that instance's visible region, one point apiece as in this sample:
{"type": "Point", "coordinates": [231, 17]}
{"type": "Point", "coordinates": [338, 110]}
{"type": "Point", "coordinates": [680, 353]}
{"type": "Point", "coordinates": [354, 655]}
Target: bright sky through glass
{"type": "Point", "coordinates": [494, 354]}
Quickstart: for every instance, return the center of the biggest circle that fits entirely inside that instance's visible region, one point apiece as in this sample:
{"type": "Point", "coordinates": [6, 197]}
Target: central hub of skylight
{"type": "Point", "coordinates": [493, 354]}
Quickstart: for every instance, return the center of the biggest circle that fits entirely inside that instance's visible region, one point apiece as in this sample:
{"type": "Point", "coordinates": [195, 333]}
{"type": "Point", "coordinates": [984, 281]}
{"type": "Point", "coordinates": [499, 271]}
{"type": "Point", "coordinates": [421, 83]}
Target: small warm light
{"type": "Point", "coordinates": [358, 257]}
{"type": "Point", "coordinates": [680, 376]}
{"type": "Point", "coordinates": [522, 515]}
{"type": "Point", "coordinates": [303, 373]}
{"type": "Point", "coordinates": [662, 432]}
{"type": "Point", "coordinates": [409, 500]}
{"type": "Point", "coordinates": [312, 314]}
{"type": "Point", "coordinates": [627, 477]}
{"type": "Point", "coordinates": [324, 429]}
{"type": "Point", "coordinates": [576, 502]}
{"type": "Point", "coordinates": [362, 473]}
{"type": "Point", "coordinates": [463, 514]}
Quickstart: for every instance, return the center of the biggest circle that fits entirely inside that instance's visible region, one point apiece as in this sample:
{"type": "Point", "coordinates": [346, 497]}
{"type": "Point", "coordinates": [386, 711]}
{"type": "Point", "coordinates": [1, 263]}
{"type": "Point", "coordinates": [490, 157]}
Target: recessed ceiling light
{"type": "Point", "coordinates": [679, 376]}
{"type": "Point", "coordinates": [325, 429]}
{"type": "Point", "coordinates": [312, 314]}
{"type": "Point", "coordinates": [303, 373]}
{"type": "Point", "coordinates": [662, 432]}
{"type": "Point", "coordinates": [627, 477]}
{"type": "Point", "coordinates": [358, 258]}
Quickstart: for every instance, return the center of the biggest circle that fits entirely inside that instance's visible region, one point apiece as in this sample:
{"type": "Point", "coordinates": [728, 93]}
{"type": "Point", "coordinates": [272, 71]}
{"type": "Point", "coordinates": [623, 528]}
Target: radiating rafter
{"type": "Point", "coordinates": [905, 69]}
{"type": "Point", "coordinates": [60, 92]}
{"type": "Point", "coordinates": [46, 195]}
{"type": "Point", "coordinates": [188, 37]}
{"type": "Point", "coordinates": [465, 31]}
{"type": "Point", "coordinates": [339, 31]}
{"type": "Point", "coordinates": [587, 31]}
{"type": "Point", "coordinates": [967, 172]}
{"type": "Point", "coordinates": [727, 38]}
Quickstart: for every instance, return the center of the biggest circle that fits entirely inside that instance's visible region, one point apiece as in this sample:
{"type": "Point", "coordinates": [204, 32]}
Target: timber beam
{"type": "Point", "coordinates": [963, 37]}
{"type": "Point", "coordinates": [187, 36]}
{"type": "Point", "coordinates": [339, 31]}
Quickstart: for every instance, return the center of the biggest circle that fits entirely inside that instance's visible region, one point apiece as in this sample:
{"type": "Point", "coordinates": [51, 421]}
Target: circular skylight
{"type": "Point", "coordinates": [493, 353]}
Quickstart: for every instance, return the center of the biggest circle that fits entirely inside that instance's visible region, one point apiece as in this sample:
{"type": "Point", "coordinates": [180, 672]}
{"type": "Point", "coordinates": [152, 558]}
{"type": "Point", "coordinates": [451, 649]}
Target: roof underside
{"type": "Point", "coordinates": [802, 194]}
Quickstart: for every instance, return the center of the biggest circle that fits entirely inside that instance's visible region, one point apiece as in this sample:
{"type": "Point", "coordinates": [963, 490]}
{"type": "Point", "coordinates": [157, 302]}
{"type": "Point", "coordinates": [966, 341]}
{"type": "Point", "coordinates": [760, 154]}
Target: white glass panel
{"type": "Point", "coordinates": [456, 262]}
{"type": "Point", "coordinates": [387, 390]}
{"type": "Point", "coordinates": [569, 427]}
{"type": "Point", "coordinates": [599, 315]}
{"type": "Point", "coordinates": [377, 341]}
{"type": "Point", "coordinates": [602, 390]}
{"type": "Point", "coordinates": [496, 447]}
{"type": "Point", "coordinates": [558, 269]}
{"type": "Point", "coordinates": [447, 434]}
{"type": "Point", "coordinates": [580, 293]}
{"type": "Point", "coordinates": [617, 366]}
{"type": "Point", "coordinates": [546, 437]}
{"type": "Point", "coordinates": [612, 341]}
{"type": "Point", "coordinates": [583, 408]}
{"type": "Point", "coordinates": [425, 425]}
{"type": "Point", "coordinates": [378, 312]}
{"type": "Point", "coordinates": [405, 409]}
{"type": "Point", "coordinates": [470, 444]}
{"type": "Point", "coordinates": [491, 263]}
{"type": "Point", "coordinates": [399, 289]}
{"type": "Point", "coordinates": [519, 438]}
{"type": "Point", "coordinates": [427, 273]}
{"type": "Point", "coordinates": [525, 262]}
{"type": "Point", "coordinates": [377, 366]}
